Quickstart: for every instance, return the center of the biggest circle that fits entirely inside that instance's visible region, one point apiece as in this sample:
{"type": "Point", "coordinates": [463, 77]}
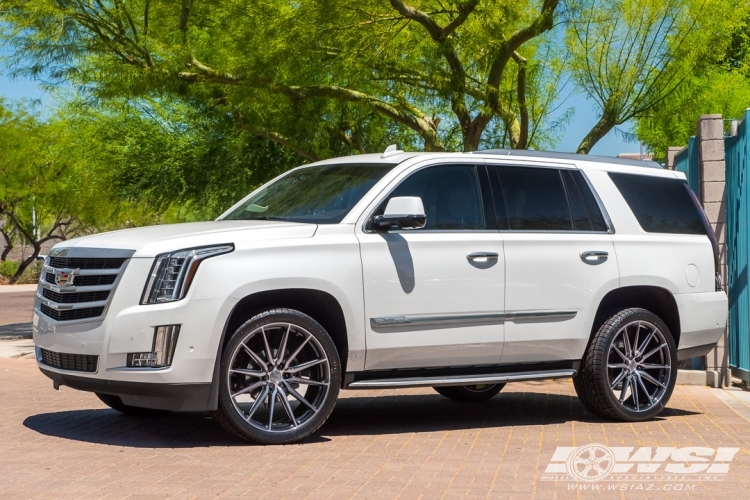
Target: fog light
{"type": "Point", "coordinates": [165, 341]}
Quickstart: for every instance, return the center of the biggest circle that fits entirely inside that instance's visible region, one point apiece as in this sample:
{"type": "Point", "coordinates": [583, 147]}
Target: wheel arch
{"type": "Point", "coordinates": [658, 300]}
{"type": "Point", "coordinates": [319, 305]}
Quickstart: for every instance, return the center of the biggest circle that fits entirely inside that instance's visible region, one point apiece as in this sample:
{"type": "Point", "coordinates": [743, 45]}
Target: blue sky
{"type": "Point", "coordinates": [584, 118]}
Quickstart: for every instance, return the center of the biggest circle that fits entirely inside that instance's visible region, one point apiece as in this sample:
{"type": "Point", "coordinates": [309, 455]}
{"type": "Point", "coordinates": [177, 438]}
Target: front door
{"type": "Point", "coordinates": [434, 296]}
{"type": "Point", "coordinates": [560, 261]}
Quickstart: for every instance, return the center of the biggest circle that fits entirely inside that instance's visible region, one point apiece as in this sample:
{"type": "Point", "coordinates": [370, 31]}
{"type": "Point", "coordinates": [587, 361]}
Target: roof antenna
{"type": "Point", "coordinates": [391, 150]}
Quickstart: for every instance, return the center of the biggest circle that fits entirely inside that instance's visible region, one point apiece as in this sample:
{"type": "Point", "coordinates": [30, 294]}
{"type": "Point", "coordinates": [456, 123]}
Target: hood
{"type": "Point", "coordinates": [150, 241]}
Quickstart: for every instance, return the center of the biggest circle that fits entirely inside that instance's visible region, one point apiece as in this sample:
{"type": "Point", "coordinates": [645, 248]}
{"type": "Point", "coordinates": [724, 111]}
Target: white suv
{"type": "Point", "coordinates": [450, 270]}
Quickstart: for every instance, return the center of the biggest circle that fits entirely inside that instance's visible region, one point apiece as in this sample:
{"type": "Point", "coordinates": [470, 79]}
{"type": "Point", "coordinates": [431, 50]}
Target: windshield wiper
{"type": "Point", "coordinates": [284, 219]}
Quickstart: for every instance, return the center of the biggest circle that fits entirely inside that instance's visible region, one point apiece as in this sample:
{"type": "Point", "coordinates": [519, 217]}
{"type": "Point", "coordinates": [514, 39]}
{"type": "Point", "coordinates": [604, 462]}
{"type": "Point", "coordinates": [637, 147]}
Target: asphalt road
{"type": "Point", "coordinates": [16, 310]}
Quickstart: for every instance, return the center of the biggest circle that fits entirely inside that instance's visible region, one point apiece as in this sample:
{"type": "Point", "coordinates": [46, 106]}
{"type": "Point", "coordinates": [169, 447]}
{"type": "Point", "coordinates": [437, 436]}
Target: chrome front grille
{"type": "Point", "coordinates": [80, 263]}
{"type": "Point", "coordinates": [77, 284]}
{"type": "Point", "coordinates": [75, 298]}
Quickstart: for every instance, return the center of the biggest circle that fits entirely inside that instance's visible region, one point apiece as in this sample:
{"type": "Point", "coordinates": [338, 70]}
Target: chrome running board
{"type": "Point", "coordinates": [498, 378]}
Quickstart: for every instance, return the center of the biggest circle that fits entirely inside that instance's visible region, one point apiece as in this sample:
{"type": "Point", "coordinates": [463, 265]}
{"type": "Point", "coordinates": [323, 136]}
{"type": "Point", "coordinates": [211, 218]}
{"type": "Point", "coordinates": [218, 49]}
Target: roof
{"type": "Point", "coordinates": [522, 153]}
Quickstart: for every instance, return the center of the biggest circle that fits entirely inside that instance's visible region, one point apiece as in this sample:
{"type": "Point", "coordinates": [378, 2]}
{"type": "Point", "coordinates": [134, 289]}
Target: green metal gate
{"type": "Point", "coordinates": [686, 161]}
{"type": "Point", "coordinates": [737, 152]}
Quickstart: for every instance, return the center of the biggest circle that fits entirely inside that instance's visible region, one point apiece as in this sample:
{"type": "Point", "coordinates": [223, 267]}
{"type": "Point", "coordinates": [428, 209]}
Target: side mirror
{"type": "Point", "coordinates": [402, 212]}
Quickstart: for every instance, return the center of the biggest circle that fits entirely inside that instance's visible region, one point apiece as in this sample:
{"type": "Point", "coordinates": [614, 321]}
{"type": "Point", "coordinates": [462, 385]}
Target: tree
{"type": "Point", "coordinates": [451, 73]}
{"type": "Point", "coordinates": [721, 86]}
{"type": "Point", "coordinates": [628, 56]}
{"type": "Point", "coordinates": [43, 196]}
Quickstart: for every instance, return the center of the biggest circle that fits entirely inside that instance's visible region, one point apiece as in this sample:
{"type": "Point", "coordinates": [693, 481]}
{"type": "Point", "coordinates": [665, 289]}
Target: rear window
{"type": "Point", "coordinates": [534, 199]}
{"type": "Point", "coordinates": [661, 205]}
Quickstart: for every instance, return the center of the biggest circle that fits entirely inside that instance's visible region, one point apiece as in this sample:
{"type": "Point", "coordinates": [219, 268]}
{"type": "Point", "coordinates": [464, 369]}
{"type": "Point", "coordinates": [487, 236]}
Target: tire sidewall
{"type": "Point", "coordinates": [602, 377]}
{"type": "Point", "coordinates": [312, 326]}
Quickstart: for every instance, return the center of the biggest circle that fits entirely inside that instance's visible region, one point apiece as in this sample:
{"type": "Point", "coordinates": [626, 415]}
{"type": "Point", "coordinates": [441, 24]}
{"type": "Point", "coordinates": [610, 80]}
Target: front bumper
{"type": "Point", "coordinates": [174, 397]}
{"type": "Point", "coordinates": [183, 386]}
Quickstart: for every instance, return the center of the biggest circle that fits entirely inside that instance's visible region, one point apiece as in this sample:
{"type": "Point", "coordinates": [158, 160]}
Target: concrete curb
{"type": "Point", "coordinates": [17, 288]}
{"type": "Point", "coordinates": [708, 378]}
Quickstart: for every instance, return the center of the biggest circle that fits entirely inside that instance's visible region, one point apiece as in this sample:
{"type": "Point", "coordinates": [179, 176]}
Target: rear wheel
{"type": "Point", "coordinates": [280, 378]}
{"type": "Point", "coordinates": [629, 370]}
{"type": "Point", "coordinates": [116, 403]}
{"type": "Point", "coordinates": [480, 392]}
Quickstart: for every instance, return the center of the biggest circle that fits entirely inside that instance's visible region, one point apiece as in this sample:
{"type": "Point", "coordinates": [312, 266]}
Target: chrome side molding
{"type": "Point", "coordinates": [497, 378]}
{"type": "Point", "coordinates": [463, 319]}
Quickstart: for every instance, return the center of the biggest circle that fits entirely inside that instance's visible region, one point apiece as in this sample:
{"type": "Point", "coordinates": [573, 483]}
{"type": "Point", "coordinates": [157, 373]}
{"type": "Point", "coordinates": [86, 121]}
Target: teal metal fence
{"type": "Point", "coordinates": [737, 152]}
{"type": "Point", "coordinates": [686, 161]}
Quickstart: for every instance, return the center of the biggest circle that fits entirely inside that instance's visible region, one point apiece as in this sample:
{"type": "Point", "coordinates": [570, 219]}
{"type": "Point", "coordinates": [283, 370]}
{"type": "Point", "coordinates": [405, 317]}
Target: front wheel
{"type": "Point", "coordinates": [280, 377]}
{"type": "Point", "coordinates": [480, 392]}
{"type": "Point", "coordinates": [629, 370]}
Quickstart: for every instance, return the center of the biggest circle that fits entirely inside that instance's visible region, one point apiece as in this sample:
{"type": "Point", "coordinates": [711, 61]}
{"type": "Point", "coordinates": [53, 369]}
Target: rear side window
{"type": "Point", "coordinates": [583, 206]}
{"type": "Point", "coordinates": [661, 205]}
{"type": "Point", "coordinates": [534, 199]}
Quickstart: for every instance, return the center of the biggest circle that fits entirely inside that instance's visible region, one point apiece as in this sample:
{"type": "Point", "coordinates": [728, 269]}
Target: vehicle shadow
{"type": "Point", "coordinates": [354, 415]}
{"type": "Point", "coordinates": [433, 413]}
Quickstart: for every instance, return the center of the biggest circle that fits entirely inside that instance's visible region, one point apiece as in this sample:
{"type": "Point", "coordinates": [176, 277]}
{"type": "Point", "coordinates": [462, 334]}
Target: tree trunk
{"type": "Point", "coordinates": [8, 247]}
{"type": "Point", "coordinates": [602, 127]}
{"type": "Point", "coordinates": [26, 263]}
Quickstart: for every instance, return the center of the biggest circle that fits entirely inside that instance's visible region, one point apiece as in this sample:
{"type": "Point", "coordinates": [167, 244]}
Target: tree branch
{"type": "Point", "coordinates": [458, 74]}
{"type": "Point", "coordinates": [286, 142]}
{"type": "Point", "coordinates": [540, 24]}
{"type": "Point", "coordinates": [208, 74]}
{"type": "Point", "coordinates": [412, 117]}
{"type": "Point", "coordinates": [523, 109]}
{"type": "Point", "coordinates": [184, 15]}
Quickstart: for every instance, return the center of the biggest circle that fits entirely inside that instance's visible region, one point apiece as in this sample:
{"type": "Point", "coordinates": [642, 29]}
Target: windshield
{"type": "Point", "coordinates": [322, 194]}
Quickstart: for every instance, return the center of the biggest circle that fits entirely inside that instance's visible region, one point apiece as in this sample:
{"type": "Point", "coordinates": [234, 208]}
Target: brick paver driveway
{"type": "Point", "coordinates": [386, 444]}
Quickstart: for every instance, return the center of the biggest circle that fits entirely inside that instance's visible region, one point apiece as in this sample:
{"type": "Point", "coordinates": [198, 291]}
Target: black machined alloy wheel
{"type": "Point", "coordinates": [280, 378]}
{"type": "Point", "coordinates": [479, 392]}
{"type": "Point", "coordinates": [630, 368]}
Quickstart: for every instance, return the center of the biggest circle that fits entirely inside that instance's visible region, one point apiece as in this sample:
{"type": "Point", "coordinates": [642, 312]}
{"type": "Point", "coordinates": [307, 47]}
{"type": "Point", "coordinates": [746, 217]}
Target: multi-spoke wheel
{"type": "Point", "coordinates": [630, 368]}
{"type": "Point", "coordinates": [280, 378]}
{"type": "Point", "coordinates": [480, 392]}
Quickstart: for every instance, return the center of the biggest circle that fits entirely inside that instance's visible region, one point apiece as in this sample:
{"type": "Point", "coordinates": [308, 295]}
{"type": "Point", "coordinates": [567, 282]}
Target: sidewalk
{"type": "Point", "coordinates": [17, 288]}
{"type": "Point", "coordinates": [16, 306]}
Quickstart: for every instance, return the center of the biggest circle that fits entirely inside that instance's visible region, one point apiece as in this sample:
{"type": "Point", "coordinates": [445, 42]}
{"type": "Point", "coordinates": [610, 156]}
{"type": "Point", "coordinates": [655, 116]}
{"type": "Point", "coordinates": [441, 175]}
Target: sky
{"type": "Point", "coordinates": [585, 116]}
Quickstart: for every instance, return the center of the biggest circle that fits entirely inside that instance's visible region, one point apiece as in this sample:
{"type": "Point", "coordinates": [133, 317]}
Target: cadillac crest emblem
{"type": "Point", "coordinates": [62, 278]}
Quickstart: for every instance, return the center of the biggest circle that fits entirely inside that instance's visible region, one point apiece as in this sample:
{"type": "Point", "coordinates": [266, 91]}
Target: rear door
{"type": "Point", "coordinates": [560, 260]}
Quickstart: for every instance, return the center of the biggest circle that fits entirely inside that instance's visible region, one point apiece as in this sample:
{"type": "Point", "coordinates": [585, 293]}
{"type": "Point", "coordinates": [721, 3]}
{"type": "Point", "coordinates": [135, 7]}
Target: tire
{"type": "Point", "coordinates": [279, 378]}
{"type": "Point", "coordinates": [116, 403]}
{"type": "Point", "coordinates": [481, 392]}
{"type": "Point", "coordinates": [628, 382]}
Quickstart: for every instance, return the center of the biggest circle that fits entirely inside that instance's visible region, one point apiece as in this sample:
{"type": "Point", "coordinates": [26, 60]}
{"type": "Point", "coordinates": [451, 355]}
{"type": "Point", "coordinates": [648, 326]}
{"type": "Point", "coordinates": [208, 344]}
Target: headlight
{"type": "Point", "coordinates": [173, 272]}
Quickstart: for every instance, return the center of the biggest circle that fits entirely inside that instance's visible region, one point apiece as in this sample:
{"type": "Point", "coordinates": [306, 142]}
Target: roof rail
{"type": "Point", "coordinates": [569, 156]}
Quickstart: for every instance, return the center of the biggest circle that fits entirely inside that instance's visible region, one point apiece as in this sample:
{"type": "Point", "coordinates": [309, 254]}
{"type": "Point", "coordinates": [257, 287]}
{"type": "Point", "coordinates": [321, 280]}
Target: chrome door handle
{"type": "Point", "coordinates": [594, 257]}
{"type": "Point", "coordinates": [482, 255]}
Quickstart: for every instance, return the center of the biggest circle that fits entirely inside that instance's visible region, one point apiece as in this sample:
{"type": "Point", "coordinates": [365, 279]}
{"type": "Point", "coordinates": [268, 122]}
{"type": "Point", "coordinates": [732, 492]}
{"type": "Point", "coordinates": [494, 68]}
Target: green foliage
{"type": "Point", "coordinates": [319, 77]}
{"type": "Point", "coordinates": [631, 55]}
{"type": "Point", "coordinates": [8, 268]}
{"type": "Point", "coordinates": [722, 85]}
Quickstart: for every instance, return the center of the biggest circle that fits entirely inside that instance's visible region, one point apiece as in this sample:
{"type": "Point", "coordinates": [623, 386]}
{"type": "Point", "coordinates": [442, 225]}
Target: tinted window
{"type": "Point", "coordinates": [585, 210]}
{"type": "Point", "coordinates": [450, 195]}
{"type": "Point", "coordinates": [534, 199]}
{"type": "Point", "coordinates": [322, 194]}
{"type": "Point", "coordinates": [661, 205]}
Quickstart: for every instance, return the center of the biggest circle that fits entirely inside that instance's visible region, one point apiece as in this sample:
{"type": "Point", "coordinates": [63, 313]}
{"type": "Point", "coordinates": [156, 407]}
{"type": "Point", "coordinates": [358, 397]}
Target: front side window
{"type": "Point", "coordinates": [661, 205]}
{"type": "Point", "coordinates": [533, 198]}
{"type": "Point", "coordinates": [321, 194]}
{"type": "Point", "coordinates": [450, 194]}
